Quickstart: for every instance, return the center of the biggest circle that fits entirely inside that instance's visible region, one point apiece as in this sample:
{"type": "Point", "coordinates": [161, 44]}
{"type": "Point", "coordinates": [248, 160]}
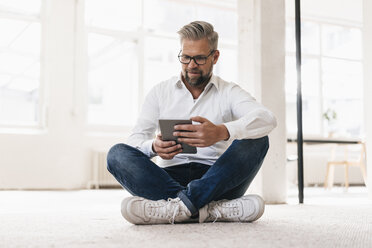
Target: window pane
{"type": "Point", "coordinates": [310, 41]}
{"type": "Point", "coordinates": [161, 60]}
{"type": "Point", "coordinates": [10, 29]}
{"type": "Point", "coordinates": [310, 38]}
{"type": "Point", "coordinates": [225, 21]}
{"type": "Point", "coordinates": [311, 115]}
{"type": "Point", "coordinates": [227, 65]}
{"type": "Point", "coordinates": [342, 79]}
{"type": "Point", "coordinates": [349, 117]}
{"type": "Point", "coordinates": [343, 94]}
{"type": "Point", "coordinates": [343, 42]}
{"type": "Point", "coordinates": [311, 110]}
{"type": "Point", "coordinates": [113, 80]}
{"type": "Point", "coordinates": [310, 77]}
{"type": "Point", "coordinates": [113, 14]}
{"type": "Point", "coordinates": [19, 71]}
{"type": "Point", "coordinates": [159, 12]}
{"type": "Point", "coordinates": [21, 6]}
{"type": "Point", "coordinates": [28, 42]}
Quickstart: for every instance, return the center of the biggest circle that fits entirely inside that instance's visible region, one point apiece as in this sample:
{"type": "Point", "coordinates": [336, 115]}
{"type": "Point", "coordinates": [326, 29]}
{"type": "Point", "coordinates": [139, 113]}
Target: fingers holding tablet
{"type": "Point", "coordinates": [167, 128]}
{"type": "Point", "coordinates": [166, 149]}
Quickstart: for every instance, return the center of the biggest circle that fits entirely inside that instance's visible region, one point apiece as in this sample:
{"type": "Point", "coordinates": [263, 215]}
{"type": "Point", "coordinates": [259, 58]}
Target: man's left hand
{"type": "Point", "coordinates": [203, 135]}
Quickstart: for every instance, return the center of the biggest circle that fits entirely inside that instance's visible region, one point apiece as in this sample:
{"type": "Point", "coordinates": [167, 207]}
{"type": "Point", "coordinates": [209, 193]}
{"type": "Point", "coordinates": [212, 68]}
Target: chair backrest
{"type": "Point", "coordinates": [357, 152]}
{"type": "Point", "coordinates": [349, 152]}
{"type": "Point", "coordinates": [363, 153]}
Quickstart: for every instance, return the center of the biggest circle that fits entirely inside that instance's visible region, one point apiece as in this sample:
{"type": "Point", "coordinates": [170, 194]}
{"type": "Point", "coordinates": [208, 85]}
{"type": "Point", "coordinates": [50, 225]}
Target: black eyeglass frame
{"type": "Point", "coordinates": [194, 58]}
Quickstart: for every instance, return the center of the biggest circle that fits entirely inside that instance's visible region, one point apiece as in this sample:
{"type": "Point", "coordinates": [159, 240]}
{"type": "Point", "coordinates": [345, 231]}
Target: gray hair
{"type": "Point", "coordinates": [199, 30]}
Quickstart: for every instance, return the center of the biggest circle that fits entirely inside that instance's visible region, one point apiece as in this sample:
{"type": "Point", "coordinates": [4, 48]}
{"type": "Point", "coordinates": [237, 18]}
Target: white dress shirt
{"type": "Point", "coordinates": [221, 102]}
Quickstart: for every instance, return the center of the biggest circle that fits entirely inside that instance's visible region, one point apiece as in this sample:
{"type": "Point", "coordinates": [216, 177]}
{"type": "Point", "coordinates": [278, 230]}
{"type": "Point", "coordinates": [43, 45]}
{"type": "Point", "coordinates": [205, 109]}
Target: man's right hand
{"type": "Point", "coordinates": [165, 149]}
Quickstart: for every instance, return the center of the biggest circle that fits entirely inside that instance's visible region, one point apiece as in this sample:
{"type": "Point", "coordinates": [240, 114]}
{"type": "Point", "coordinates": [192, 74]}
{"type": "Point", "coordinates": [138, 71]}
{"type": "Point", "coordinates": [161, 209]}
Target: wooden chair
{"type": "Point", "coordinates": [346, 162]}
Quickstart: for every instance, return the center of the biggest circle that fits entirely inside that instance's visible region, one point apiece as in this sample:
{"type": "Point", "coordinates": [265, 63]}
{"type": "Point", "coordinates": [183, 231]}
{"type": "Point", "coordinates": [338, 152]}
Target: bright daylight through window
{"type": "Point", "coordinates": [133, 45]}
{"type": "Point", "coordinates": [331, 79]}
{"type": "Point", "coordinates": [20, 32]}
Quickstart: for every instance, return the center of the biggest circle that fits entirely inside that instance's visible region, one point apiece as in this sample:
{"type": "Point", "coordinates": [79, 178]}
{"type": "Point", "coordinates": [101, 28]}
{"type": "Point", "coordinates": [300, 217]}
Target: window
{"type": "Point", "coordinates": [112, 76]}
{"type": "Point", "coordinates": [332, 80]}
{"type": "Point", "coordinates": [20, 39]}
{"type": "Point", "coordinates": [132, 46]}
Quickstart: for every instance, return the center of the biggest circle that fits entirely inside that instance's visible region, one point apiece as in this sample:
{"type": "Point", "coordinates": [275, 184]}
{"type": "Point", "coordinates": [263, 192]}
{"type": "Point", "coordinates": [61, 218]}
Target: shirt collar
{"type": "Point", "coordinates": [212, 81]}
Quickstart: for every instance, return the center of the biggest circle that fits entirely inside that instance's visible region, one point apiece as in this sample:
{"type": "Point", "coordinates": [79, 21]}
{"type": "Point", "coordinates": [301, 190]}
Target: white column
{"type": "Point", "coordinates": [367, 65]}
{"type": "Point", "coordinates": [262, 71]}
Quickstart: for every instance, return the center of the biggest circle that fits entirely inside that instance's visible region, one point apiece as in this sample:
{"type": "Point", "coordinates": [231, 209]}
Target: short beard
{"type": "Point", "coordinates": [200, 81]}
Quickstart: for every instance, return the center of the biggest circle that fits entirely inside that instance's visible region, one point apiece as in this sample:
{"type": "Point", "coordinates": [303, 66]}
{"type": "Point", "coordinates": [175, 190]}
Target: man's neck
{"type": "Point", "coordinates": [196, 90]}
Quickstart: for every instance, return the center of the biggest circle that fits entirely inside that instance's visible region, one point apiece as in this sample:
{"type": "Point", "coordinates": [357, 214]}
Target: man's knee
{"type": "Point", "coordinates": [260, 144]}
{"type": "Point", "coordinates": [116, 155]}
{"type": "Point", "coordinates": [264, 143]}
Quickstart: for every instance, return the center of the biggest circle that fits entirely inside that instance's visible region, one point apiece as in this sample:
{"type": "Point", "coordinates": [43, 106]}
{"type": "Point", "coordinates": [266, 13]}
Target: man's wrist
{"type": "Point", "coordinates": [224, 133]}
{"type": "Point", "coordinates": [152, 147]}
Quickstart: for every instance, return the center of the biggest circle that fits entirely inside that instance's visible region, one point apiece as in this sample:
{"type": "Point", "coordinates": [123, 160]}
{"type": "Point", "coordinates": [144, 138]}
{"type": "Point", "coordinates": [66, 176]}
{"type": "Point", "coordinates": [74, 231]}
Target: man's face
{"type": "Point", "coordinates": [193, 73]}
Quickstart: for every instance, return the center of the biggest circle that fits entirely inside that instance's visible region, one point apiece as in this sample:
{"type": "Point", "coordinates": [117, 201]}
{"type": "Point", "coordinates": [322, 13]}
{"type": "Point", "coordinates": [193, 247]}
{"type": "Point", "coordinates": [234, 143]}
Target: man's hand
{"type": "Point", "coordinates": [165, 149]}
{"type": "Point", "coordinates": [203, 135]}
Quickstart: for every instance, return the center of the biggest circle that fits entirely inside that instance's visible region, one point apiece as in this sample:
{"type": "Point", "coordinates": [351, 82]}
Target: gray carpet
{"type": "Point", "coordinates": [92, 219]}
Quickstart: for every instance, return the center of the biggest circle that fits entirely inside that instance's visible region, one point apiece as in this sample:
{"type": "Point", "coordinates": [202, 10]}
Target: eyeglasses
{"type": "Point", "coordinates": [199, 60]}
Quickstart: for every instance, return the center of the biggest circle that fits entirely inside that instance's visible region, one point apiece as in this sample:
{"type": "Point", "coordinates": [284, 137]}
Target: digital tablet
{"type": "Point", "coordinates": [167, 129]}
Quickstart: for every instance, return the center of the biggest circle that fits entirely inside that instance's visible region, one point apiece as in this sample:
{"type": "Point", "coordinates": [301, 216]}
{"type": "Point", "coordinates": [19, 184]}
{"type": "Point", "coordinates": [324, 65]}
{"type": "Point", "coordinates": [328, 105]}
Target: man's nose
{"type": "Point", "coordinates": [192, 64]}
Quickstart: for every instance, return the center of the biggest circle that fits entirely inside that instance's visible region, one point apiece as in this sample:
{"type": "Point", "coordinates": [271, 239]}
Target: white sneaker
{"type": "Point", "coordinates": [244, 209]}
{"type": "Point", "coordinates": [140, 211]}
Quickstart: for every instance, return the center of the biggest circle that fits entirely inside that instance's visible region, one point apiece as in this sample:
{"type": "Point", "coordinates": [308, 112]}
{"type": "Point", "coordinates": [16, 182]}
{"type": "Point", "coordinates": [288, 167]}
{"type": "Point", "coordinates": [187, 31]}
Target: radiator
{"type": "Point", "coordinates": [100, 176]}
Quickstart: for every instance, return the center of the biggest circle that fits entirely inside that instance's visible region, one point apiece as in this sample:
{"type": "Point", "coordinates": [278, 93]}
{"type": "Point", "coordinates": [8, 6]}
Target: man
{"type": "Point", "coordinates": [229, 131]}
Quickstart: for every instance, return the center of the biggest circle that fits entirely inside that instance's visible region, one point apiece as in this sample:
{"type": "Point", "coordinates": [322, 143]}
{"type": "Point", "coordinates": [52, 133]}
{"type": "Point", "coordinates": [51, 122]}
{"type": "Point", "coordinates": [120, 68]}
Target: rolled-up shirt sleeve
{"type": "Point", "coordinates": [250, 119]}
{"type": "Point", "coordinates": [143, 133]}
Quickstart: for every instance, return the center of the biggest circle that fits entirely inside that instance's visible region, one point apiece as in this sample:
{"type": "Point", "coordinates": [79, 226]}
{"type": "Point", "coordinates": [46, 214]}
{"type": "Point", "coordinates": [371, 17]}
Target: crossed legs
{"type": "Point", "coordinates": [228, 178]}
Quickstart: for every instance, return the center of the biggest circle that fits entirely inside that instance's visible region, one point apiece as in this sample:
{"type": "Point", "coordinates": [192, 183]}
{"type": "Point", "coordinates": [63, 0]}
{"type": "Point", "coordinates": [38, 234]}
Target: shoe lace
{"type": "Point", "coordinates": [216, 214]}
{"type": "Point", "coordinates": [169, 210]}
{"type": "Point", "coordinates": [226, 209]}
{"type": "Point", "coordinates": [176, 209]}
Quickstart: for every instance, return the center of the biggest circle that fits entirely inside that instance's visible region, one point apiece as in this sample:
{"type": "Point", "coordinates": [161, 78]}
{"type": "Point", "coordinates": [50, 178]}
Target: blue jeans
{"type": "Point", "coordinates": [196, 184]}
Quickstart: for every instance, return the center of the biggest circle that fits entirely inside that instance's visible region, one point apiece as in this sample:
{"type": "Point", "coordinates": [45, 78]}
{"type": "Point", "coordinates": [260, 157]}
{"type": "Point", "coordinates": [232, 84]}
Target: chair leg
{"type": "Point", "coordinates": [328, 183]}
{"type": "Point", "coordinates": [364, 172]}
{"type": "Point", "coordinates": [326, 177]}
{"type": "Point", "coordinates": [346, 176]}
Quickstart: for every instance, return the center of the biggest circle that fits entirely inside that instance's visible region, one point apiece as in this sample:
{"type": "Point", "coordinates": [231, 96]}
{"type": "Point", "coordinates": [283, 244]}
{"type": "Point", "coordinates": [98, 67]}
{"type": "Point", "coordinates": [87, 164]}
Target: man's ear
{"type": "Point", "coordinates": [216, 55]}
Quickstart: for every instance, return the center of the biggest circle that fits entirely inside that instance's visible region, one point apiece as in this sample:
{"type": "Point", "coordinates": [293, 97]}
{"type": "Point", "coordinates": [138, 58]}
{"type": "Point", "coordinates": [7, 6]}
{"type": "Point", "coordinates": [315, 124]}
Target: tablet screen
{"type": "Point", "coordinates": [167, 129]}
